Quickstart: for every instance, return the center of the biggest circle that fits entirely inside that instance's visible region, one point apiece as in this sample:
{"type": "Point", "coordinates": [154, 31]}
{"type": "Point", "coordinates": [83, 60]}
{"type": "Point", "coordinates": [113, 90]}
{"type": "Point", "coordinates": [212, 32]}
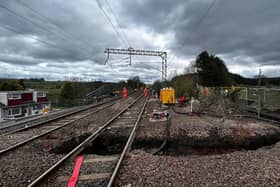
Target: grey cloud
{"type": "Point", "coordinates": [244, 33]}
{"type": "Point", "coordinates": [18, 60]}
{"type": "Point", "coordinates": [231, 27]}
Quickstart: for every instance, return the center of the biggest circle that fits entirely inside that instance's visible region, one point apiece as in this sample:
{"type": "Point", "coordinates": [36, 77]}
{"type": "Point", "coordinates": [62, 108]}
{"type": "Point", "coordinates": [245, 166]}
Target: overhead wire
{"type": "Point", "coordinates": [122, 37]}
{"type": "Point", "coordinates": [211, 5]}
{"type": "Point", "coordinates": [119, 36]}
{"type": "Point", "coordinates": [200, 21]}
{"type": "Point", "coordinates": [118, 23]}
{"type": "Point", "coordinates": [30, 21]}
{"type": "Point", "coordinates": [34, 38]}
{"type": "Point", "coordinates": [44, 18]}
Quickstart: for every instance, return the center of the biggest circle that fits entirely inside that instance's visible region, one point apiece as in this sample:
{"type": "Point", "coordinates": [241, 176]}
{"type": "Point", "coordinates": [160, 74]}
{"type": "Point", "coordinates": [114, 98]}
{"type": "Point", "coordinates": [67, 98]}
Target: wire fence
{"type": "Point", "coordinates": [260, 100]}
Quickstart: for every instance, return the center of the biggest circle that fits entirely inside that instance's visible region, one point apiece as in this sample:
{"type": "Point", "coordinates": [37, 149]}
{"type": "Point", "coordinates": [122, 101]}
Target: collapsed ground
{"type": "Point", "coordinates": [202, 150]}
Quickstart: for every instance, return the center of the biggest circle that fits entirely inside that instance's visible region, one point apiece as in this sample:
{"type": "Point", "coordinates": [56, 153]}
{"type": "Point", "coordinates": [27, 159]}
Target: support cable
{"type": "Point", "coordinates": [118, 24]}
{"type": "Point", "coordinates": [31, 21]}
{"type": "Point", "coordinates": [119, 37]}
{"type": "Point", "coordinates": [46, 19]}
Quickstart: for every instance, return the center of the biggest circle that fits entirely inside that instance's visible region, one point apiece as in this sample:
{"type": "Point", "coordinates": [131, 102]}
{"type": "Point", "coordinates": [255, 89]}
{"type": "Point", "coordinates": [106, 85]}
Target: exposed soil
{"type": "Point", "coordinates": [205, 132]}
{"type": "Point", "coordinates": [203, 151]}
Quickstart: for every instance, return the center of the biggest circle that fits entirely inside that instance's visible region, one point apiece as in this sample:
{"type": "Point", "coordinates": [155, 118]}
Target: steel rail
{"type": "Point", "coordinates": [48, 132]}
{"type": "Point", "coordinates": [81, 146]}
{"type": "Point", "coordinates": [127, 145]}
{"type": "Point", "coordinates": [55, 118]}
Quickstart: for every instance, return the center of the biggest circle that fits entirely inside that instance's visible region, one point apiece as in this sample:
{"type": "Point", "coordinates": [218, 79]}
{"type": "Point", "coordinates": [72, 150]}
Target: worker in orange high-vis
{"type": "Point", "coordinates": [145, 92]}
{"type": "Point", "coordinates": [124, 93]}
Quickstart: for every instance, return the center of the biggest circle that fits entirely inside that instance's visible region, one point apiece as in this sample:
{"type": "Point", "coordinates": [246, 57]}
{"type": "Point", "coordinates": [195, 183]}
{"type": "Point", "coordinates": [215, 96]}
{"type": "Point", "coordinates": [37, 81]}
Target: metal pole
{"type": "Point", "coordinates": [162, 69]}
{"type": "Point", "coordinates": [259, 94]}
{"type": "Point", "coordinates": [264, 96]}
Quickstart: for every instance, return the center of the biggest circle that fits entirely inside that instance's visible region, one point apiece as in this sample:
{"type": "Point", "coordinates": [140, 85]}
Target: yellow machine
{"type": "Point", "coordinates": [45, 110]}
{"type": "Point", "coordinates": [167, 96]}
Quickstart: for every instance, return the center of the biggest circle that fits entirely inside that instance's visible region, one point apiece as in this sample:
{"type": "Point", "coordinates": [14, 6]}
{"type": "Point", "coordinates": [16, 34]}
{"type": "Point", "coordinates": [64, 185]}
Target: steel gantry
{"type": "Point", "coordinates": [131, 51]}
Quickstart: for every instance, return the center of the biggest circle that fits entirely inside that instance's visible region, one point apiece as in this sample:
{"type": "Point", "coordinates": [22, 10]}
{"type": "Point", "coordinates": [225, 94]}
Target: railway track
{"type": "Point", "coordinates": [22, 162]}
{"type": "Point", "coordinates": [17, 138]}
{"type": "Point", "coordinates": [92, 171]}
{"type": "Point", "coordinates": [30, 123]}
{"type": "Point", "coordinates": [22, 135]}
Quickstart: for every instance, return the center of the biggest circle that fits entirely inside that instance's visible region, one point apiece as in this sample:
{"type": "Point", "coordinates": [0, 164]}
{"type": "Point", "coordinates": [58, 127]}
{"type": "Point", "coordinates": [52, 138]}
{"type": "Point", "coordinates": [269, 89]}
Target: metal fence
{"type": "Point", "coordinates": [260, 100]}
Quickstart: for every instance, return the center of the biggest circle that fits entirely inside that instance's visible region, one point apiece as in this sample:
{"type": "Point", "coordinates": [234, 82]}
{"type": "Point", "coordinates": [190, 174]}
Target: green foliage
{"type": "Point", "coordinates": [265, 81]}
{"type": "Point", "coordinates": [134, 82]}
{"type": "Point", "coordinates": [11, 85]}
{"type": "Point", "coordinates": [212, 70]}
{"type": "Point", "coordinates": [157, 86]}
{"type": "Point", "coordinates": [67, 91]}
{"type": "Point", "coordinates": [184, 85]}
{"type": "Point", "coordinates": [121, 84]}
{"type": "Point", "coordinates": [67, 95]}
{"type": "Point", "coordinates": [80, 90]}
{"type": "Point", "coordinates": [21, 82]}
{"type": "Point", "coordinates": [234, 94]}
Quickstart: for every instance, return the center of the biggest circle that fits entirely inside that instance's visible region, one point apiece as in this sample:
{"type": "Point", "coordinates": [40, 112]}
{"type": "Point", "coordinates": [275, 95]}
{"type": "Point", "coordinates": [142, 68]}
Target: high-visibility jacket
{"type": "Point", "coordinates": [145, 92]}
{"type": "Point", "coordinates": [124, 93]}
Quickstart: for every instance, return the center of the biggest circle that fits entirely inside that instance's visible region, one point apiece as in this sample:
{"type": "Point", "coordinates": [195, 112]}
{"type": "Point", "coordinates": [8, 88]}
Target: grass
{"type": "Point", "coordinates": [269, 97]}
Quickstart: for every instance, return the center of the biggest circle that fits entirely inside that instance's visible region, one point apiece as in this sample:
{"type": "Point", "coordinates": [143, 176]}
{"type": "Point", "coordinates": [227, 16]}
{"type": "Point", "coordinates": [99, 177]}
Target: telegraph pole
{"type": "Point", "coordinates": [259, 93]}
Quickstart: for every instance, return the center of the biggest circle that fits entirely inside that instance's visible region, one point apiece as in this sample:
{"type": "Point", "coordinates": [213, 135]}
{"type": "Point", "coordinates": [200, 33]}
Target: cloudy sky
{"type": "Point", "coordinates": [55, 39]}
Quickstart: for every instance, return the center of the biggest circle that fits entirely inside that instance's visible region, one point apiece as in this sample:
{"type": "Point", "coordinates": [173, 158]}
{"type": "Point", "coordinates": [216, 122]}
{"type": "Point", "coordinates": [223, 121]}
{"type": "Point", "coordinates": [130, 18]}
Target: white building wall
{"type": "Point", "coordinates": [35, 96]}
{"type": "Point", "coordinates": [4, 98]}
{"type": "Point", "coordinates": [1, 117]}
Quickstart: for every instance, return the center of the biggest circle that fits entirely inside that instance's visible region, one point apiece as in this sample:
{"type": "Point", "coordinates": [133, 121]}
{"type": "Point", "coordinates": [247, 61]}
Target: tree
{"type": "Point", "coordinates": [157, 85]}
{"type": "Point", "coordinates": [21, 82]}
{"type": "Point", "coordinates": [11, 85]}
{"type": "Point", "coordinates": [67, 91]}
{"type": "Point", "coordinates": [134, 82]}
{"type": "Point", "coordinates": [184, 85]}
{"type": "Point", "coordinates": [212, 70]}
{"type": "Point", "coordinates": [67, 95]}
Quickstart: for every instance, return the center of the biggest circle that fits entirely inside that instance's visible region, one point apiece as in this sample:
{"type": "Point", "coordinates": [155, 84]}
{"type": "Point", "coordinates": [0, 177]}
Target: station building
{"type": "Point", "coordinates": [20, 104]}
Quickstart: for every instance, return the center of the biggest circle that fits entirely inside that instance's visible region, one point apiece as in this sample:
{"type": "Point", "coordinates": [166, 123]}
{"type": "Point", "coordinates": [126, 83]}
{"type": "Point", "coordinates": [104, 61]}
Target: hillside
{"type": "Point", "coordinates": [268, 81]}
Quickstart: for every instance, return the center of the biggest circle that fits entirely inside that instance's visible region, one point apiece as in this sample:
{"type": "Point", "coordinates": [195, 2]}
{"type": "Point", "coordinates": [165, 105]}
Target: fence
{"type": "Point", "coordinates": [260, 100]}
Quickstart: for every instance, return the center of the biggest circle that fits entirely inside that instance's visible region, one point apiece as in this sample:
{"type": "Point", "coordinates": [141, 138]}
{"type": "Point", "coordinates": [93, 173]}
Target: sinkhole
{"type": "Point", "coordinates": [68, 145]}
{"type": "Point", "coordinates": [113, 143]}
{"type": "Point", "coordinates": [106, 145]}
{"type": "Point", "coordinates": [175, 147]}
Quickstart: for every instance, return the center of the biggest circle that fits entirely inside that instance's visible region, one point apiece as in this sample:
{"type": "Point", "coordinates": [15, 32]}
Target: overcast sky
{"type": "Point", "coordinates": [55, 39]}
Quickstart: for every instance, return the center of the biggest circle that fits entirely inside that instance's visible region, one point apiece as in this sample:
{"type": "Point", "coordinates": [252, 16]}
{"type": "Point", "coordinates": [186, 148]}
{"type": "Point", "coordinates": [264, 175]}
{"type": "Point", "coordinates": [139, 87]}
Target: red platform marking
{"type": "Point", "coordinates": [75, 175]}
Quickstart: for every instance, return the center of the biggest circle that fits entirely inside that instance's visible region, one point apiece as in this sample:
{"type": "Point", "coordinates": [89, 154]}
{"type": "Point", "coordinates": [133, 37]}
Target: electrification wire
{"type": "Point", "coordinates": [29, 20]}
{"type": "Point", "coordinates": [119, 36]}
{"type": "Point", "coordinates": [118, 23]}
{"type": "Point", "coordinates": [23, 18]}
{"type": "Point", "coordinates": [44, 18]}
{"type": "Point", "coordinates": [36, 39]}
{"type": "Point", "coordinates": [117, 61]}
{"type": "Point", "coordinates": [150, 66]}
{"type": "Point", "coordinates": [211, 5]}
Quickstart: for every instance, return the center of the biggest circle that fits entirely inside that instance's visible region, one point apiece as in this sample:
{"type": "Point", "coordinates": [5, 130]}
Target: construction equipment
{"type": "Point", "coordinates": [167, 96]}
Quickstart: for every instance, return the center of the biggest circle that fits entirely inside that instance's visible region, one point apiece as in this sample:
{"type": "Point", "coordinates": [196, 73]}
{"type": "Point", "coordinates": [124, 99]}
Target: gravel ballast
{"type": "Point", "coordinates": [246, 168]}
{"type": "Point", "coordinates": [233, 167]}
{"type": "Point", "coordinates": [19, 167]}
